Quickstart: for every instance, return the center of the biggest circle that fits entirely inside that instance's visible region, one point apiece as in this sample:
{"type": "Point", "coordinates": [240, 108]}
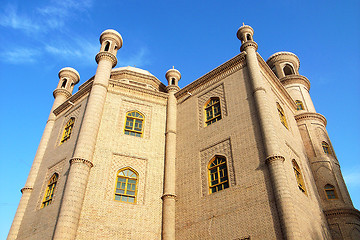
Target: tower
{"type": "Point", "coordinates": [68, 77]}
{"type": "Point", "coordinates": [334, 197]}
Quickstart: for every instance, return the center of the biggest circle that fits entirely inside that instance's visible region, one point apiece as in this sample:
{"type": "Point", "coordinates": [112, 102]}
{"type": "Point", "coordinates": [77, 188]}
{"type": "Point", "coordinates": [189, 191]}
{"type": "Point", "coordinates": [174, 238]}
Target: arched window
{"type": "Point", "coordinates": [49, 193]}
{"type": "Point", "coordinates": [248, 37]}
{"type": "Point", "coordinates": [218, 174]}
{"type": "Point", "coordinates": [298, 175]}
{"type": "Point", "coordinates": [330, 192]}
{"type": "Point", "coordinates": [67, 130]}
{"type": "Point", "coordinates": [282, 115]}
{"type": "Point", "coordinates": [326, 147]}
{"type": "Point", "coordinates": [107, 46]}
{"type": "Point", "coordinates": [173, 81]}
{"type": "Point", "coordinates": [212, 111]}
{"type": "Point", "coordinates": [134, 124]}
{"type": "Point", "coordinates": [299, 105]}
{"type": "Point", "coordinates": [288, 70]}
{"type": "Point", "coordinates": [126, 185]}
{"type": "Point", "coordinates": [63, 85]}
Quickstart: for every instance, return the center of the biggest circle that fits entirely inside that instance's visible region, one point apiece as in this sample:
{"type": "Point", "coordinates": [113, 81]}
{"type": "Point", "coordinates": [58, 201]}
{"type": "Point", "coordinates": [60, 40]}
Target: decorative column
{"type": "Point", "coordinates": [81, 162]}
{"type": "Point", "coordinates": [273, 159]}
{"type": "Point", "coordinates": [168, 216]}
{"type": "Point", "coordinates": [68, 77]}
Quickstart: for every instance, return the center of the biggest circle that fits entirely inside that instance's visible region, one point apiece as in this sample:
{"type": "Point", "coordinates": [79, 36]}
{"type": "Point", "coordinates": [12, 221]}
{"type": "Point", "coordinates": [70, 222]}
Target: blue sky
{"type": "Point", "coordinates": [39, 37]}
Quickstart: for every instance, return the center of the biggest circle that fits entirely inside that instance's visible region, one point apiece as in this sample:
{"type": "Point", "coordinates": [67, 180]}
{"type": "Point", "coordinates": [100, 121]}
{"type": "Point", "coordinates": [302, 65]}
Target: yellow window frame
{"type": "Point", "coordinates": [126, 185]}
{"type": "Point", "coordinates": [49, 193]}
{"type": "Point", "coordinates": [67, 130]}
{"type": "Point", "coordinates": [134, 124]}
{"type": "Point", "coordinates": [282, 115]}
{"type": "Point", "coordinates": [330, 192]}
{"type": "Point", "coordinates": [299, 177]}
{"type": "Point", "coordinates": [299, 105]}
{"type": "Point", "coordinates": [212, 111]}
{"type": "Point", "coordinates": [326, 147]}
{"type": "Point", "coordinates": [218, 176]}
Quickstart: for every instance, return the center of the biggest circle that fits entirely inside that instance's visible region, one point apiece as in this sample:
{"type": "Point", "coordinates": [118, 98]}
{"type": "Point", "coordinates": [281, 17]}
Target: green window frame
{"type": "Point", "coordinates": [49, 193]}
{"type": "Point", "coordinates": [126, 185]}
{"type": "Point", "coordinates": [67, 130]}
{"type": "Point", "coordinates": [218, 174]}
{"type": "Point", "coordinates": [212, 111]}
{"type": "Point", "coordinates": [134, 124]}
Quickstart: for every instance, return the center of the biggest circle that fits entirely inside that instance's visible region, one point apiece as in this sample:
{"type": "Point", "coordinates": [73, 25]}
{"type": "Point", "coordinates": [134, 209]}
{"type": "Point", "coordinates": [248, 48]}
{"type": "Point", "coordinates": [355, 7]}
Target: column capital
{"type": "Point", "coordinates": [81, 160]}
{"type": "Point", "coordinates": [106, 55]}
{"type": "Point", "coordinates": [61, 91]}
{"type": "Point", "coordinates": [273, 158]}
{"type": "Point", "coordinates": [168, 196]}
{"type": "Point", "coordinates": [248, 44]}
{"type": "Point", "coordinates": [26, 189]}
{"type": "Point", "coordinates": [172, 88]}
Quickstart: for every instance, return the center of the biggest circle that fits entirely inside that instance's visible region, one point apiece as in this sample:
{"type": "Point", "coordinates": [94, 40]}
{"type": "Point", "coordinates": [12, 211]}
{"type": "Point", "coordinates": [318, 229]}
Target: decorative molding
{"type": "Point", "coordinates": [61, 91]}
{"type": "Point", "coordinates": [283, 56]}
{"type": "Point", "coordinates": [99, 84]}
{"type": "Point", "coordinates": [310, 116]}
{"type": "Point", "coordinates": [170, 131]}
{"type": "Point", "coordinates": [214, 76]}
{"type": "Point", "coordinates": [273, 158]}
{"type": "Point", "coordinates": [248, 44]}
{"type": "Point", "coordinates": [106, 55]}
{"type": "Point", "coordinates": [342, 211]}
{"type": "Point", "coordinates": [81, 160]}
{"type": "Point", "coordinates": [259, 89]}
{"type": "Point", "coordinates": [26, 189]}
{"type": "Point", "coordinates": [172, 88]}
{"type": "Point", "coordinates": [168, 196]}
{"type": "Point", "coordinates": [295, 79]}
{"type": "Point", "coordinates": [220, 148]}
{"type": "Point", "coordinates": [217, 91]}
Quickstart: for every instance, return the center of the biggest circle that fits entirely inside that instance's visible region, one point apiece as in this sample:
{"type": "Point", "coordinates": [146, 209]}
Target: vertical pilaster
{"type": "Point", "coordinates": [169, 197]}
{"type": "Point", "coordinates": [273, 159]}
{"type": "Point", "coordinates": [81, 162]}
{"type": "Point", "coordinates": [61, 93]}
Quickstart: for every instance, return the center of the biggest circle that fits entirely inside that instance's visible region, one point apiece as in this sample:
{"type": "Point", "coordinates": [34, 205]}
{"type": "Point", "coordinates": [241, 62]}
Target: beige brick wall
{"type": "Point", "coordinates": [115, 150]}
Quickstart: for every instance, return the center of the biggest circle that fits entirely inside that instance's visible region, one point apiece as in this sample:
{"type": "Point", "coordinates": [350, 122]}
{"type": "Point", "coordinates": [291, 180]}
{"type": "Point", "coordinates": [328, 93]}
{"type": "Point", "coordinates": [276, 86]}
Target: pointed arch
{"type": "Point", "coordinates": [218, 174]}
{"type": "Point", "coordinates": [282, 115]}
{"type": "Point", "coordinates": [67, 130]}
{"type": "Point", "coordinates": [49, 193]}
{"type": "Point", "coordinates": [126, 185]}
{"type": "Point", "coordinates": [330, 192]}
{"type": "Point", "coordinates": [63, 84]}
{"type": "Point", "coordinates": [326, 148]}
{"type": "Point", "coordinates": [212, 110]}
{"type": "Point", "coordinates": [299, 177]}
{"type": "Point", "coordinates": [134, 123]}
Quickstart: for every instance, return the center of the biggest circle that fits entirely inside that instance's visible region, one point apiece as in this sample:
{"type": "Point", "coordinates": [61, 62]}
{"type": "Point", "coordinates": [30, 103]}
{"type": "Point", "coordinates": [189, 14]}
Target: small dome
{"type": "Point", "coordinates": [283, 57]}
{"type": "Point", "coordinates": [133, 69]}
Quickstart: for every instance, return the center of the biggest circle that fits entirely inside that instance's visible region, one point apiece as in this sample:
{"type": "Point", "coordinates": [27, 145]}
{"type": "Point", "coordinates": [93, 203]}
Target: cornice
{"type": "Point", "coordinates": [26, 189]}
{"type": "Point", "coordinates": [248, 44]}
{"type": "Point", "coordinates": [85, 89]}
{"type": "Point", "coordinates": [342, 211]}
{"type": "Point", "coordinates": [61, 91]}
{"type": "Point", "coordinates": [310, 116]}
{"type": "Point", "coordinates": [106, 55]}
{"type": "Point", "coordinates": [295, 79]}
{"type": "Point", "coordinates": [214, 76]}
{"type": "Point", "coordinates": [276, 81]}
{"type": "Point", "coordinates": [282, 56]}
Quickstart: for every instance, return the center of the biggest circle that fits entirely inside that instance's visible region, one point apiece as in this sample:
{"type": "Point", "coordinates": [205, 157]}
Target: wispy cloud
{"type": "Point", "coordinates": [12, 19]}
{"type": "Point", "coordinates": [138, 59]}
{"type": "Point", "coordinates": [352, 179]}
{"type": "Point", "coordinates": [20, 55]}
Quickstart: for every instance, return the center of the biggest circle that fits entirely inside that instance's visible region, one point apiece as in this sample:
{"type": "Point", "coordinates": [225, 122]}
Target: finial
{"type": "Point", "coordinates": [243, 24]}
{"type": "Point", "coordinates": [173, 67]}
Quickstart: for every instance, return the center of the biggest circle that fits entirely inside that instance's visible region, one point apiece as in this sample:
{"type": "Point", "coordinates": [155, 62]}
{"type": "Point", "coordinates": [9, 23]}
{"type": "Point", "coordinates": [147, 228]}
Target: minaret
{"type": "Point", "coordinates": [334, 197]}
{"type": "Point", "coordinates": [81, 162]}
{"type": "Point", "coordinates": [68, 77]}
{"type": "Point", "coordinates": [274, 160]}
{"type": "Point", "coordinates": [168, 217]}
